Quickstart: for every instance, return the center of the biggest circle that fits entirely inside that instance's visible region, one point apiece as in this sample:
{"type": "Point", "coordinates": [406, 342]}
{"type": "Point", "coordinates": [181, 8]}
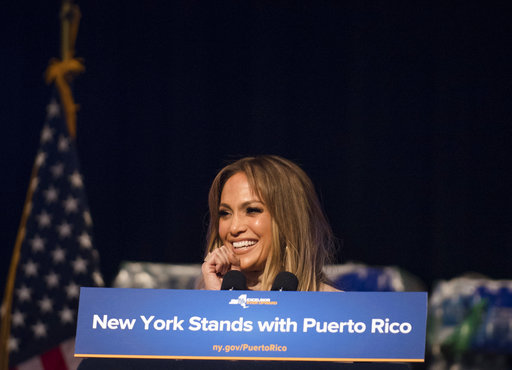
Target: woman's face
{"type": "Point", "coordinates": [245, 223]}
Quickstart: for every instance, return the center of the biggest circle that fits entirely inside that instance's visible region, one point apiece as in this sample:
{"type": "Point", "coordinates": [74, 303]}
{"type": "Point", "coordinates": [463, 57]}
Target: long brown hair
{"type": "Point", "coordinates": [302, 240]}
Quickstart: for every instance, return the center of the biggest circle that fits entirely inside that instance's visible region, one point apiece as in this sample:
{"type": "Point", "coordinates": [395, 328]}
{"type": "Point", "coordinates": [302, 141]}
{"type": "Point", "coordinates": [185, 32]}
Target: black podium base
{"type": "Point", "coordinates": [139, 364]}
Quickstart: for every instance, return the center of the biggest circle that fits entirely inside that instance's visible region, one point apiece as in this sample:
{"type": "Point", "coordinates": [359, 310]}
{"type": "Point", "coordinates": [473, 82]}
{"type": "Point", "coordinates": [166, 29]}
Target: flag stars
{"type": "Point", "coordinates": [30, 268]}
{"type": "Point", "coordinates": [79, 265]}
{"type": "Point", "coordinates": [24, 293]}
{"type": "Point", "coordinates": [52, 280]}
{"type": "Point", "coordinates": [44, 219]}
{"type": "Point", "coordinates": [59, 255]}
{"type": "Point", "coordinates": [72, 290]}
{"type": "Point", "coordinates": [70, 204]}
{"type": "Point", "coordinates": [87, 218]}
{"type": "Point", "coordinates": [13, 344]}
{"type": "Point", "coordinates": [85, 240]}
{"type": "Point", "coordinates": [57, 170]}
{"type": "Point", "coordinates": [64, 230]}
{"type": "Point", "coordinates": [41, 158]}
{"type": "Point", "coordinates": [63, 144]}
{"type": "Point", "coordinates": [37, 243]}
{"type": "Point", "coordinates": [66, 315]}
{"type": "Point", "coordinates": [46, 305]}
{"type": "Point", "coordinates": [98, 280]}
{"type": "Point", "coordinates": [17, 318]}
{"type": "Point", "coordinates": [39, 329]}
{"type": "Point", "coordinates": [53, 109]}
{"type": "Point", "coordinates": [50, 195]}
{"type": "Point", "coordinates": [48, 269]}
{"type": "Point", "coordinates": [47, 134]}
{"type": "Point", "coordinates": [76, 180]}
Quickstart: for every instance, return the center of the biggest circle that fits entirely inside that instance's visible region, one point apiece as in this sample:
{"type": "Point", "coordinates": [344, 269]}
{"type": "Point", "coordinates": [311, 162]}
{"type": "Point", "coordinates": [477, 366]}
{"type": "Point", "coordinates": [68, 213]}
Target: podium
{"type": "Point", "coordinates": [180, 329]}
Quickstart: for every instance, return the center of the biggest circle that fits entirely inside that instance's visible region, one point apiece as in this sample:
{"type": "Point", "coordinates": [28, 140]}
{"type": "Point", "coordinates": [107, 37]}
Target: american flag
{"type": "Point", "coordinates": [56, 258]}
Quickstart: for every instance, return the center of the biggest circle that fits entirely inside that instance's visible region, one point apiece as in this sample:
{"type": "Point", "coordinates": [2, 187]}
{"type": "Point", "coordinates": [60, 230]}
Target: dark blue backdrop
{"type": "Point", "coordinates": [398, 111]}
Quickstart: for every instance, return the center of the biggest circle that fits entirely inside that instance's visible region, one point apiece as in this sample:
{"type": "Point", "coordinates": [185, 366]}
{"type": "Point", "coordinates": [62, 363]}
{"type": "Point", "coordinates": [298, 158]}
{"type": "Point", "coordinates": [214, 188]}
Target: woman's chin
{"type": "Point", "coordinates": [251, 265]}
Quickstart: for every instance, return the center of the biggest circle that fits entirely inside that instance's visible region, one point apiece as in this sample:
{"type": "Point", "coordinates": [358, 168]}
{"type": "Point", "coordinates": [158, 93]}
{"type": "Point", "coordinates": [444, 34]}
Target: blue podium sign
{"type": "Point", "coordinates": [255, 325]}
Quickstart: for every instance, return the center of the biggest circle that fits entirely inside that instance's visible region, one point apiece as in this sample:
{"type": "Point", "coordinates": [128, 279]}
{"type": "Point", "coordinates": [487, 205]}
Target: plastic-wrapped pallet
{"type": "Point", "coordinates": [362, 278]}
{"type": "Point", "coordinates": [470, 323]}
{"type": "Point", "coordinates": [348, 277]}
{"type": "Point", "coordinates": [157, 275]}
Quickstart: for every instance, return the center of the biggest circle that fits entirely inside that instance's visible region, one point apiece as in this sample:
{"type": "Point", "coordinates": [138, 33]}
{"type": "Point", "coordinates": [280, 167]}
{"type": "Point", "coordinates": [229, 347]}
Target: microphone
{"type": "Point", "coordinates": [234, 280]}
{"type": "Point", "coordinates": [285, 281]}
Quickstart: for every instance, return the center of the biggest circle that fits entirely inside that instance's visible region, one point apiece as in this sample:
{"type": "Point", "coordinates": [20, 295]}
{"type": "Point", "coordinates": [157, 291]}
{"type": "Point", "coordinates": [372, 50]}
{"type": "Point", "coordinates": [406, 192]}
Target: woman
{"type": "Point", "coordinates": [265, 218]}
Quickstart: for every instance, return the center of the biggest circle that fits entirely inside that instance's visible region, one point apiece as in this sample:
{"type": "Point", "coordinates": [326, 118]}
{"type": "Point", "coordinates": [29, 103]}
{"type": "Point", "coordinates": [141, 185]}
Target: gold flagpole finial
{"type": "Point", "coordinates": [70, 20]}
{"type": "Point", "coordinates": [62, 71]}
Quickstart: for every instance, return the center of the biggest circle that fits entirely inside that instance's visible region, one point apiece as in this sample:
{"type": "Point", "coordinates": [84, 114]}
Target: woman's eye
{"type": "Point", "coordinates": [223, 213]}
{"type": "Point", "coordinates": [254, 210]}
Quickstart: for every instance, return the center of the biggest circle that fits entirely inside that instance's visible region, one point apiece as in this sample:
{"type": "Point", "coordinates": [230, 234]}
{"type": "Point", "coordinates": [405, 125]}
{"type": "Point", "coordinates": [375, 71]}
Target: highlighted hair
{"type": "Point", "coordinates": [302, 240]}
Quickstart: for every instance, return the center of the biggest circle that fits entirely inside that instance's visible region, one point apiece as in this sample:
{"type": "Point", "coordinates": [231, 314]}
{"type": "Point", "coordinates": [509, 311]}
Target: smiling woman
{"type": "Point", "coordinates": [265, 218]}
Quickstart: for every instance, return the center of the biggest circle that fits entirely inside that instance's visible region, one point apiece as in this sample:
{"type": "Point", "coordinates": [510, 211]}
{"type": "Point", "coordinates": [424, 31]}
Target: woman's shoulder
{"type": "Point", "coordinates": [328, 288]}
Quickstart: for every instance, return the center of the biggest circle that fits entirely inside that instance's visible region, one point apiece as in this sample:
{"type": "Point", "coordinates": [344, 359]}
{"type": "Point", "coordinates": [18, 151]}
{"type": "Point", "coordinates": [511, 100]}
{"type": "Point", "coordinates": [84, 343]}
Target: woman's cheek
{"type": "Point", "coordinates": [253, 261]}
{"type": "Point", "coordinates": [248, 262]}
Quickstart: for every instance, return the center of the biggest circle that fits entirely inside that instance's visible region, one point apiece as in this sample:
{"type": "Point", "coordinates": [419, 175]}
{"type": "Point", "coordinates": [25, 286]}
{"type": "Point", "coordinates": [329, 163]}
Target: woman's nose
{"type": "Point", "coordinates": [238, 225]}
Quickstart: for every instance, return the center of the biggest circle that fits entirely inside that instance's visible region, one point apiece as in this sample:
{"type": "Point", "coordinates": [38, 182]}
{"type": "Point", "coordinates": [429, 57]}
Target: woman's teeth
{"type": "Point", "coordinates": [243, 243]}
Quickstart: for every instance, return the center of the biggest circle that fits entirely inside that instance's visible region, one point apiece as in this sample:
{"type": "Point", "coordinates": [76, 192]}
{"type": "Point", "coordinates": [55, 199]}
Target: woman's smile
{"type": "Point", "coordinates": [243, 245]}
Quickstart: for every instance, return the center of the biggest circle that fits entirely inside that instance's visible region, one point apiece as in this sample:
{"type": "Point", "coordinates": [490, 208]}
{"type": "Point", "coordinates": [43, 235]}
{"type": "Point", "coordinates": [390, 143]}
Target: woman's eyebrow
{"type": "Point", "coordinates": [244, 204]}
{"type": "Point", "coordinates": [249, 202]}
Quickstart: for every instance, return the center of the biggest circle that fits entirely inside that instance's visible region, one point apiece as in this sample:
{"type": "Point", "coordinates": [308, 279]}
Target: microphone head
{"type": "Point", "coordinates": [234, 280]}
{"type": "Point", "coordinates": [285, 281]}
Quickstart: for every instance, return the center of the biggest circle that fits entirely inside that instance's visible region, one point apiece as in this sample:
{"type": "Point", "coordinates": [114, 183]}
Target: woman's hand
{"type": "Point", "coordinates": [216, 265]}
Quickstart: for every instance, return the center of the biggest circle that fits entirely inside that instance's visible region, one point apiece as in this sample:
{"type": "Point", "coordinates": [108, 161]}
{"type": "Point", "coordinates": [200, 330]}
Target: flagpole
{"type": "Point", "coordinates": [59, 72]}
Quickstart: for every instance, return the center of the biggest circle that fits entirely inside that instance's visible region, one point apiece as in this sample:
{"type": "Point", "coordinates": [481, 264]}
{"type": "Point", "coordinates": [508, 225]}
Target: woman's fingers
{"type": "Point", "coordinates": [210, 278]}
{"type": "Point", "coordinates": [234, 261]}
{"type": "Point", "coordinates": [226, 258]}
{"type": "Point", "coordinates": [216, 264]}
